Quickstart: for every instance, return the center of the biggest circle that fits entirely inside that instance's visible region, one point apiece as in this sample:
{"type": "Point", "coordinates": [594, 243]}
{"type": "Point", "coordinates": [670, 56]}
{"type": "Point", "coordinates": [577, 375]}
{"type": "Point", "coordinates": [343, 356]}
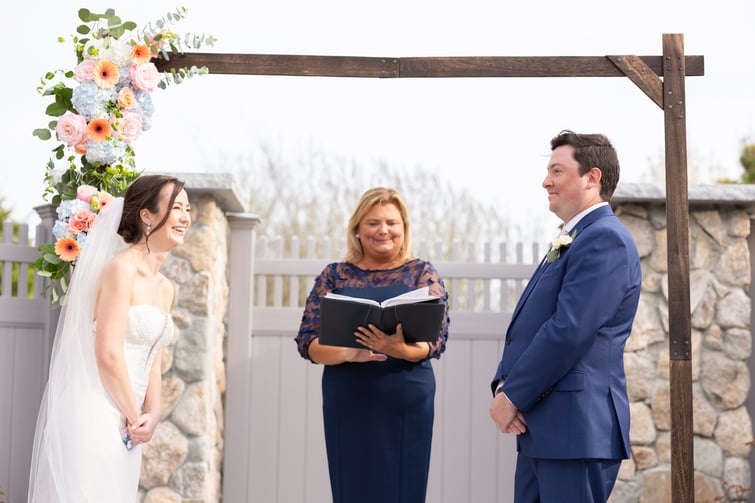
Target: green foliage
{"type": "Point", "coordinates": [15, 269]}
{"type": "Point", "coordinates": [747, 160]}
{"type": "Point", "coordinates": [4, 213]}
{"type": "Point", "coordinates": [114, 180]}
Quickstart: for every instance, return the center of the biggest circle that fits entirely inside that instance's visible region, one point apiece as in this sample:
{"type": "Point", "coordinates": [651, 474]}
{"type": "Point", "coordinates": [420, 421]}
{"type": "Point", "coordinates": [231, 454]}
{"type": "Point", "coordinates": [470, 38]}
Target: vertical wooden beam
{"type": "Point", "coordinates": [677, 227]}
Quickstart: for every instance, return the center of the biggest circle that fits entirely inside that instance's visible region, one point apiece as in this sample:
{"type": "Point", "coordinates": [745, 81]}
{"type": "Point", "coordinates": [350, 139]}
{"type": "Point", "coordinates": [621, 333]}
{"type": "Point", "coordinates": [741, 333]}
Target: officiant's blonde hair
{"type": "Point", "coordinates": [374, 196]}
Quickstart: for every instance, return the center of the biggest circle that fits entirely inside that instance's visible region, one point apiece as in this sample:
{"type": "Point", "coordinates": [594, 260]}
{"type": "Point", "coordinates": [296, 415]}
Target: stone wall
{"type": "Point", "coordinates": [183, 462]}
{"type": "Point", "coordinates": [720, 276]}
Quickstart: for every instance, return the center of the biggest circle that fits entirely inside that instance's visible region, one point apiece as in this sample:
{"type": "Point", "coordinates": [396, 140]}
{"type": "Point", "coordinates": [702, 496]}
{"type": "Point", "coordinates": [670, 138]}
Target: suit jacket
{"type": "Point", "coordinates": [563, 361]}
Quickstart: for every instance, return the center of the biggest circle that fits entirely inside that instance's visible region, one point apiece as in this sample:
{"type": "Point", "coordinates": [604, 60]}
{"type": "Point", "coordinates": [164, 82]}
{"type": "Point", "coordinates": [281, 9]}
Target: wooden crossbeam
{"type": "Point", "coordinates": [430, 67]}
{"type": "Point", "coordinates": [642, 75]}
{"type": "Point", "coordinates": [644, 71]}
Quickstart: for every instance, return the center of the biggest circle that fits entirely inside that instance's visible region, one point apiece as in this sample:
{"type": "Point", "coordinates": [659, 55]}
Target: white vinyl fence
{"type": "Point", "coordinates": [26, 322]}
{"type": "Point", "coordinates": [285, 452]}
{"type": "Point", "coordinates": [274, 445]}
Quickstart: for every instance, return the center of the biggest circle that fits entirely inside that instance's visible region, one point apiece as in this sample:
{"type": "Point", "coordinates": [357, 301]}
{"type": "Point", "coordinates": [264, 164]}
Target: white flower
{"type": "Point", "coordinates": [561, 241]}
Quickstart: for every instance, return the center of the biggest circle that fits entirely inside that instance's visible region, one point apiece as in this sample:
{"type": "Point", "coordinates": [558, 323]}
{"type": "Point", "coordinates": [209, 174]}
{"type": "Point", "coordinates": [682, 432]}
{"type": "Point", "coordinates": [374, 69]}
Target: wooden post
{"type": "Point", "coordinates": [677, 228]}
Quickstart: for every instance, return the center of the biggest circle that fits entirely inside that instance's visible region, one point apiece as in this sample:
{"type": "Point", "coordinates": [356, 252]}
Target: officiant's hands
{"type": "Point", "coordinates": [392, 345]}
{"type": "Point", "coordinates": [364, 355]}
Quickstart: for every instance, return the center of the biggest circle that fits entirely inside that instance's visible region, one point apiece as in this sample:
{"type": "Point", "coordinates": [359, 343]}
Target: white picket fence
{"type": "Point", "coordinates": [285, 454]}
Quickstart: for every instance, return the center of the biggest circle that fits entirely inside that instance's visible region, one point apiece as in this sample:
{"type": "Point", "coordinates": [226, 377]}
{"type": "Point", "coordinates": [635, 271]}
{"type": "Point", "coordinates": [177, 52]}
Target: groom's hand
{"type": "Point", "coordinates": [506, 416]}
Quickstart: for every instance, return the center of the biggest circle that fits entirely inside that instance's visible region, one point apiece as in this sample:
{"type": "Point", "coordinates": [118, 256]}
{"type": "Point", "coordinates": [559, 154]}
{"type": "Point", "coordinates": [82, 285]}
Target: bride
{"type": "Point", "coordinates": [102, 400]}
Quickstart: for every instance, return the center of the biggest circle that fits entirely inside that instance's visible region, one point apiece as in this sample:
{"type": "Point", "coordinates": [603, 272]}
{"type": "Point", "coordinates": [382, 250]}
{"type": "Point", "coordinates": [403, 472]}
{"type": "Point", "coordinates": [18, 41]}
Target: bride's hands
{"type": "Point", "coordinates": [143, 428]}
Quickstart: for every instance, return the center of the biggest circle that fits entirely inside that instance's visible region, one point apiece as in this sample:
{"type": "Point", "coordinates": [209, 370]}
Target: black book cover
{"type": "Point", "coordinates": [339, 319]}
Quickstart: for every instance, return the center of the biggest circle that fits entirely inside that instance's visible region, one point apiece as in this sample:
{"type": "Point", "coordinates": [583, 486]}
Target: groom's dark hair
{"type": "Point", "coordinates": [593, 151]}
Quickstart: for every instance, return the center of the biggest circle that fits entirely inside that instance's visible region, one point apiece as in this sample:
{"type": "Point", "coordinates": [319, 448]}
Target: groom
{"type": "Point", "coordinates": [560, 385]}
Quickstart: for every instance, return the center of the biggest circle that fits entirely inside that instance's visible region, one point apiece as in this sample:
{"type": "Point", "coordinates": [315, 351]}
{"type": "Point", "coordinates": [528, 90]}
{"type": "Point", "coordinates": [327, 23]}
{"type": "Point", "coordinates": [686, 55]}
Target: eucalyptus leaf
{"type": "Point", "coordinates": [42, 134]}
{"type": "Point", "coordinates": [52, 258]}
{"type": "Point", "coordinates": [55, 109]}
{"type": "Point", "coordinates": [85, 15]}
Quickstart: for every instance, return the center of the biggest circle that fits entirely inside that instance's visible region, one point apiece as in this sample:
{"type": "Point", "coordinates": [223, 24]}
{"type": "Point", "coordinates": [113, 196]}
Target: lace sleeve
{"type": "Point", "coordinates": [429, 277]}
{"type": "Point", "coordinates": [309, 328]}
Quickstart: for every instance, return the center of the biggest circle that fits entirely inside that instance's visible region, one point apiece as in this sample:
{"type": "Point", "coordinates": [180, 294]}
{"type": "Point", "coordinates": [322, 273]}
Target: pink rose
{"type": "Point", "coordinates": [145, 77]}
{"type": "Point", "coordinates": [126, 98]}
{"type": "Point", "coordinates": [81, 221]}
{"type": "Point", "coordinates": [130, 127]}
{"type": "Point", "coordinates": [85, 193]}
{"type": "Point", "coordinates": [84, 70]}
{"type": "Point", "coordinates": [71, 128]}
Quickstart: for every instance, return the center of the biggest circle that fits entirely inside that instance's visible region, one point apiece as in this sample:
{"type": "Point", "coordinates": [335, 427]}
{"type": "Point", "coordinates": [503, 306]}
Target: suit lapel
{"type": "Point", "coordinates": [588, 219]}
{"type": "Point", "coordinates": [530, 285]}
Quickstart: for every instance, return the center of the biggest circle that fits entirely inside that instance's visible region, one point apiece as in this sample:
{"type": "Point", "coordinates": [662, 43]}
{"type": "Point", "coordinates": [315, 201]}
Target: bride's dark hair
{"type": "Point", "coordinates": [144, 192]}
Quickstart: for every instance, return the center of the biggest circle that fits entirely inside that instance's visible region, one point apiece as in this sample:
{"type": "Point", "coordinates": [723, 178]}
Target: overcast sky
{"type": "Point", "coordinates": [488, 135]}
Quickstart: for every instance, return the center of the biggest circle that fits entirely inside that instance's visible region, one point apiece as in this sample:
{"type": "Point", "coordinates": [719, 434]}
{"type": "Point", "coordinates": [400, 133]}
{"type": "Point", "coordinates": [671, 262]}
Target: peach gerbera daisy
{"type": "Point", "coordinates": [140, 54]}
{"type": "Point", "coordinates": [106, 74]}
{"type": "Point", "coordinates": [67, 249]}
{"type": "Point", "coordinates": [98, 130]}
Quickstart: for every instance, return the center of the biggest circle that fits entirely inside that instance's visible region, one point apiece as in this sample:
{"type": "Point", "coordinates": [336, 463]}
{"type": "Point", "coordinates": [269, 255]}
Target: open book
{"type": "Point", "coordinates": [420, 315]}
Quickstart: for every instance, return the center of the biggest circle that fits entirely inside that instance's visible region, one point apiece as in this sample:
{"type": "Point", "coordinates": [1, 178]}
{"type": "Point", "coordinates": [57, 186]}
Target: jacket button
{"type": "Point", "coordinates": [508, 340]}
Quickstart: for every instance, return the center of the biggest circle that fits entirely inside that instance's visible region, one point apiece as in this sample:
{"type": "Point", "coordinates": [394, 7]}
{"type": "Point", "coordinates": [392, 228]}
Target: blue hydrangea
{"type": "Point", "coordinates": [81, 238]}
{"type": "Point", "coordinates": [91, 101]}
{"type": "Point", "coordinates": [145, 108]}
{"type": "Point", "coordinates": [106, 152]}
{"type": "Point", "coordinates": [69, 207]}
{"type": "Point", "coordinates": [124, 78]}
{"type": "Point", "coordinates": [59, 230]}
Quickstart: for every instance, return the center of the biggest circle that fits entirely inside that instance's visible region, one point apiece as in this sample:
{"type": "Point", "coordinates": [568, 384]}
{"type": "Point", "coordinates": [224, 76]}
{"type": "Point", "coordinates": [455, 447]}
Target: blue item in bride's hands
{"type": "Point", "coordinates": [126, 437]}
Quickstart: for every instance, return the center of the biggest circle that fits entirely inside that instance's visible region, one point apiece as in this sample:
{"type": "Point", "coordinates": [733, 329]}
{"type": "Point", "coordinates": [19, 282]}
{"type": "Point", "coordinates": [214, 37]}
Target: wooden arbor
{"type": "Point", "coordinates": [661, 78]}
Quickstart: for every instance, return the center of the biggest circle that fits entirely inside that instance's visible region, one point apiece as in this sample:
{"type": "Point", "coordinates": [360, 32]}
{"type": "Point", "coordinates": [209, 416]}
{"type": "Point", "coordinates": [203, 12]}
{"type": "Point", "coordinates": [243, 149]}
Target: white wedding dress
{"type": "Point", "coordinates": [79, 455]}
{"type": "Point", "coordinates": [82, 457]}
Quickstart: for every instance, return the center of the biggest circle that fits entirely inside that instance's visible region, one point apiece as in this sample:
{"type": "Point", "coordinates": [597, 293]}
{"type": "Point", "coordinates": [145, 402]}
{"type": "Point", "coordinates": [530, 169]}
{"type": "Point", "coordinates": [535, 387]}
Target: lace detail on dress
{"type": "Point", "coordinates": [147, 325]}
{"type": "Point", "coordinates": [148, 329]}
{"type": "Point", "coordinates": [416, 273]}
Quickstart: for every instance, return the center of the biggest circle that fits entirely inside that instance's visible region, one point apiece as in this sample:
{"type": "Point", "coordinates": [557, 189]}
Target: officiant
{"type": "Point", "coordinates": [378, 400]}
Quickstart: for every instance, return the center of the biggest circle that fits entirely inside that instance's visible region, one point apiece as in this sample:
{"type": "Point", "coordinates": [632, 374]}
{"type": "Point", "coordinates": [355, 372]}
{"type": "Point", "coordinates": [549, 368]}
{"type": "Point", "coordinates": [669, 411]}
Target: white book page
{"type": "Point", "coordinates": [338, 296]}
{"type": "Point", "coordinates": [418, 295]}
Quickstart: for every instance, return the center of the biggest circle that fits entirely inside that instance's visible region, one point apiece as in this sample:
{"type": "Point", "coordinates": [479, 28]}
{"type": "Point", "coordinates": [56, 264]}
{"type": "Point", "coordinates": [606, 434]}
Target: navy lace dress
{"type": "Point", "coordinates": [378, 416]}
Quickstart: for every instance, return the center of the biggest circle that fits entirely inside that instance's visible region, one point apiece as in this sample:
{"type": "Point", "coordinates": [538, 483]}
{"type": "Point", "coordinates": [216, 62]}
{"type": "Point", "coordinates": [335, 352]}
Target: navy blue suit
{"type": "Point", "coordinates": [563, 361]}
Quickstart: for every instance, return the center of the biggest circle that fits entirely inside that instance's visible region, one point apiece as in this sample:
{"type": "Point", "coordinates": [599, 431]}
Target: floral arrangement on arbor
{"type": "Point", "coordinates": [100, 107]}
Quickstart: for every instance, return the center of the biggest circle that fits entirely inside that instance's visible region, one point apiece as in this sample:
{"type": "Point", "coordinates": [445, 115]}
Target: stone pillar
{"type": "Point", "coordinates": [721, 312]}
{"type": "Point", "coordinates": [183, 462]}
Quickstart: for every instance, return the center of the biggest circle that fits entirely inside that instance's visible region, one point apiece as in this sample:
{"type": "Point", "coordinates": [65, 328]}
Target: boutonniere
{"type": "Point", "coordinates": [561, 242]}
